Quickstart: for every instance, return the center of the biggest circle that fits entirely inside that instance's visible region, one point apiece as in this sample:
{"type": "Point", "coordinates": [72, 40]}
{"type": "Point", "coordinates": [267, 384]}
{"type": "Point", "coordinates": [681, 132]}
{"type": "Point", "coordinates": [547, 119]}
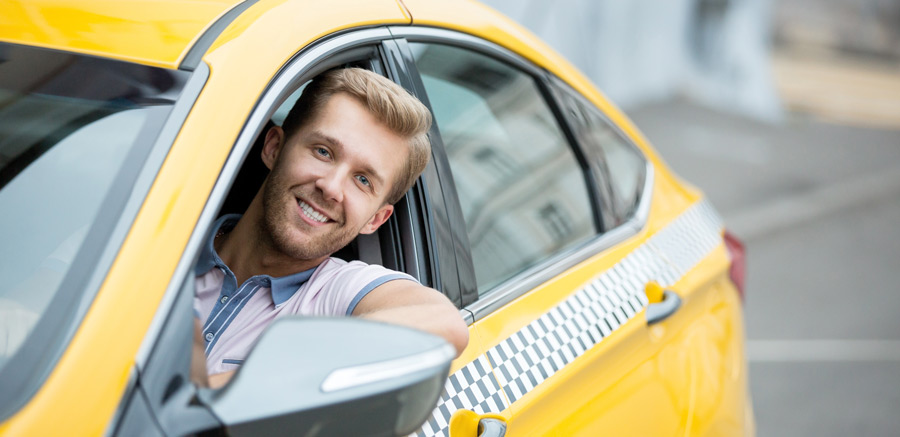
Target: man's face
{"type": "Point", "coordinates": [329, 181]}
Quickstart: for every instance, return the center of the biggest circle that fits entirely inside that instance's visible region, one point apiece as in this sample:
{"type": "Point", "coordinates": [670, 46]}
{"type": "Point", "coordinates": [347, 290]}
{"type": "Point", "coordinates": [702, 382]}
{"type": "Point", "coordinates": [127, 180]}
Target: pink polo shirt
{"type": "Point", "coordinates": [234, 316]}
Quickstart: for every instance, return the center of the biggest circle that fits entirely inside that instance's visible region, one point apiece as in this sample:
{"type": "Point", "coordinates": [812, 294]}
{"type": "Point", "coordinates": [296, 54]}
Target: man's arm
{"type": "Point", "coordinates": [407, 303]}
{"type": "Point", "coordinates": [399, 302]}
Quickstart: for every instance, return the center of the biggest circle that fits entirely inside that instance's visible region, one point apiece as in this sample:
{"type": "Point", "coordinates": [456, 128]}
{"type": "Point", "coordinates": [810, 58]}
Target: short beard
{"type": "Point", "coordinates": [276, 226]}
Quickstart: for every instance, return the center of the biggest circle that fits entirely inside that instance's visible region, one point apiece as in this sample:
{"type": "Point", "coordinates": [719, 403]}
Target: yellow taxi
{"type": "Point", "coordinates": [602, 293]}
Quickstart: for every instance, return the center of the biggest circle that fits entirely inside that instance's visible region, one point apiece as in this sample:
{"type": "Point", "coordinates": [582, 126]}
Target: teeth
{"type": "Point", "coordinates": [311, 213]}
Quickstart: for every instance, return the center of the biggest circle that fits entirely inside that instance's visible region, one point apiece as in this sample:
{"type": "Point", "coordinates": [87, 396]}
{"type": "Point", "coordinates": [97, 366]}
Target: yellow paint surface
{"type": "Point", "coordinates": [679, 380]}
{"type": "Point", "coordinates": [154, 32]}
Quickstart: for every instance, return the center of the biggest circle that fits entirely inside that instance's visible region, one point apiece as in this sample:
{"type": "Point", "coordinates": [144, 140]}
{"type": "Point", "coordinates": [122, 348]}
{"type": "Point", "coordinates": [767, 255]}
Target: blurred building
{"type": "Point", "coordinates": [638, 51]}
{"type": "Point", "coordinates": [869, 28]}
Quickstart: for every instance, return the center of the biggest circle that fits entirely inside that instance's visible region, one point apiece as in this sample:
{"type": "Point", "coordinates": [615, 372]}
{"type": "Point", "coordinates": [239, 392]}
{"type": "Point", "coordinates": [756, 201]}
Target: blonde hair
{"type": "Point", "coordinates": [391, 105]}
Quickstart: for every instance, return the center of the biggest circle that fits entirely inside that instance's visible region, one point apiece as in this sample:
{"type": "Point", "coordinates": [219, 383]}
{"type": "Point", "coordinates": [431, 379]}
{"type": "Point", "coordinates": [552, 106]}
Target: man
{"type": "Point", "coordinates": [351, 147]}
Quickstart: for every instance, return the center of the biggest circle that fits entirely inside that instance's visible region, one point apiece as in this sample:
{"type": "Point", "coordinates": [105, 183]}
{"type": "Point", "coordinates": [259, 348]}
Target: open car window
{"type": "Point", "coordinates": [253, 173]}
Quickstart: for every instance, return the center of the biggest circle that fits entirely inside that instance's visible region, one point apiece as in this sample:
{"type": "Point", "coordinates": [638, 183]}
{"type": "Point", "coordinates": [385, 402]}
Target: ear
{"type": "Point", "coordinates": [272, 146]}
{"type": "Point", "coordinates": [378, 219]}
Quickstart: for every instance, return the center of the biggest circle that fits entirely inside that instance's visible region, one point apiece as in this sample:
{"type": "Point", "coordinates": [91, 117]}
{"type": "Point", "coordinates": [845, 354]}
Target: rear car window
{"type": "Point", "coordinates": [522, 191]}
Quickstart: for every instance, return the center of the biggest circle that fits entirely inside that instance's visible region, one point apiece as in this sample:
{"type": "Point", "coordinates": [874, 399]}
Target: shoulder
{"type": "Point", "coordinates": [353, 276]}
{"type": "Point", "coordinates": [336, 268]}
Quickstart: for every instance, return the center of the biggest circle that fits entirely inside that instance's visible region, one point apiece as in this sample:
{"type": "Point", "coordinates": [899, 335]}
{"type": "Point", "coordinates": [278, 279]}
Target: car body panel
{"type": "Point", "coordinates": [84, 393]}
{"type": "Point", "coordinates": [672, 370]}
{"type": "Point", "coordinates": [688, 370]}
{"type": "Point", "coordinates": [150, 32]}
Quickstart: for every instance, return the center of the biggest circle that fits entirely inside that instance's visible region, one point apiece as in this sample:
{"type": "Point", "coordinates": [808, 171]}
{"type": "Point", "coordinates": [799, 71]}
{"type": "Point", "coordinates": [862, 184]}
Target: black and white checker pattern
{"type": "Point", "coordinates": [543, 347]}
{"type": "Point", "coordinates": [567, 331]}
{"type": "Point", "coordinates": [471, 388]}
{"type": "Point", "coordinates": [688, 239]}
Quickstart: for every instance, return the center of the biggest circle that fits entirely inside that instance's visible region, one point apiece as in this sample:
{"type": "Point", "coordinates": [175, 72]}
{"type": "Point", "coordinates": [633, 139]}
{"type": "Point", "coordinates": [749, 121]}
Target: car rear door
{"type": "Point", "coordinates": [560, 249]}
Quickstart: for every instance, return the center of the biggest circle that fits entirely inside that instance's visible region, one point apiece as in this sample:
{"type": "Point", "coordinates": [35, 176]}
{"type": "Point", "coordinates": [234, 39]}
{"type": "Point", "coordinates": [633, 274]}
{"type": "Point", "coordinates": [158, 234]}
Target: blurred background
{"type": "Point", "coordinates": [787, 114]}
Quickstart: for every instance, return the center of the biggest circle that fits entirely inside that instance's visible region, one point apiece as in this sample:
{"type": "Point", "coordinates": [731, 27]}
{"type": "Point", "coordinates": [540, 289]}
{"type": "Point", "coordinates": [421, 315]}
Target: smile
{"type": "Point", "coordinates": [311, 213]}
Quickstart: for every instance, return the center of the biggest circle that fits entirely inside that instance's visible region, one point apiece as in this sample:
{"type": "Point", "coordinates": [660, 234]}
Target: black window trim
{"type": "Point", "coordinates": [545, 271]}
{"type": "Point", "coordinates": [563, 91]}
{"type": "Point", "coordinates": [451, 241]}
{"type": "Point", "coordinates": [194, 56]}
{"type": "Point", "coordinates": [603, 193]}
{"type": "Point", "coordinates": [428, 209]}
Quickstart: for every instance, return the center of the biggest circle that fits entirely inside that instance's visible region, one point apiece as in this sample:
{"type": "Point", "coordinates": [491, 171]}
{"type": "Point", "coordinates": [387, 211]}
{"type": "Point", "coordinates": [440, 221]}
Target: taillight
{"type": "Point", "coordinates": [738, 268]}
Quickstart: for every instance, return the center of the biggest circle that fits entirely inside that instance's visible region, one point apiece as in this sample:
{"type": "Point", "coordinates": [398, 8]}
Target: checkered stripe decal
{"type": "Point", "coordinates": [688, 239]}
{"type": "Point", "coordinates": [543, 347]}
{"type": "Point", "coordinates": [554, 340]}
{"type": "Point", "coordinates": [471, 388]}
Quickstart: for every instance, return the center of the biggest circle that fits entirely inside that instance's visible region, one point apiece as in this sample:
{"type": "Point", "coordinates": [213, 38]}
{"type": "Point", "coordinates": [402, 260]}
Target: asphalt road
{"type": "Point", "coordinates": [818, 207]}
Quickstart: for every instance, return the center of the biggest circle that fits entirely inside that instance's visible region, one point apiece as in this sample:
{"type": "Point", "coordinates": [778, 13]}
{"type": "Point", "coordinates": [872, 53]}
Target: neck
{"type": "Point", "coordinates": [249, 252]}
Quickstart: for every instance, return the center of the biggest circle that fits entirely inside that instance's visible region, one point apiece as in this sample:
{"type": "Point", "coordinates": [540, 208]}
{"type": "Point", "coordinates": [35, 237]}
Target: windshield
{"type": "Point", "coordinates": [72, 129]}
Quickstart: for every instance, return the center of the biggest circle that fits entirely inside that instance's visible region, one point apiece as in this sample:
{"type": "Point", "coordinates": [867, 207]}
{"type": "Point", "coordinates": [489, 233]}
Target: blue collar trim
{"type": "Point", "coordinates": [208, 256]}
{"type": "Point", "coordinates": [283, 288]}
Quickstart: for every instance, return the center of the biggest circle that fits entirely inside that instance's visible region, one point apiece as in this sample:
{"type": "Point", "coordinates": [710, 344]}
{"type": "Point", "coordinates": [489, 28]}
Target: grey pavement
{"type": "Point", "coordinates": [818, 207]}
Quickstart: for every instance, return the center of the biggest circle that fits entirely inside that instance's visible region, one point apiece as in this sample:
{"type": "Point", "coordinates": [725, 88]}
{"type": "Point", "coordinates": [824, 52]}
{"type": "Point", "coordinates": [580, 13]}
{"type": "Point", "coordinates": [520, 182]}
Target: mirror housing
{"type": "Point", "coordinates": [334, 376]}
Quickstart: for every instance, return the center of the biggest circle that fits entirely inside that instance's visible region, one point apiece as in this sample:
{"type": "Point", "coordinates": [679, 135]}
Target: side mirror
{"type": "Point", "coordinates": [334, 376]}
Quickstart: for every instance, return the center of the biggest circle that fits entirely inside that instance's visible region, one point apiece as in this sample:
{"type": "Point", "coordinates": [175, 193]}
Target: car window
{"type": "Point", "coordinates": [70, 127]}
{"type": "Point", "coordinates": [618, 158]}
{"type": "Point", "coordinates": [521, 188]}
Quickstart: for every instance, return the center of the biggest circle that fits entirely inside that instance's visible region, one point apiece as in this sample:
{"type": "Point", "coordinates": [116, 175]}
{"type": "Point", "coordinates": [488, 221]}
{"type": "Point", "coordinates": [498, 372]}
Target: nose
{"type": "Point", "coordinates": [331, 185]}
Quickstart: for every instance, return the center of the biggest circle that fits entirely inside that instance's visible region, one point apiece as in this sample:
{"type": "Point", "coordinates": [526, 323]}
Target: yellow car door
{"type": "Point", "coordinates": [567, 228]}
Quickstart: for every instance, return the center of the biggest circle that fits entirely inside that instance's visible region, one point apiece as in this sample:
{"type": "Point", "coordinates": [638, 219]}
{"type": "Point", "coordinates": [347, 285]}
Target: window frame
{"type": "Point", "coordinates": [298, 68]}
{"type": "Point", "coordinates": [519, 284]}
{"type": "Point", "coordinates": [405, 244]}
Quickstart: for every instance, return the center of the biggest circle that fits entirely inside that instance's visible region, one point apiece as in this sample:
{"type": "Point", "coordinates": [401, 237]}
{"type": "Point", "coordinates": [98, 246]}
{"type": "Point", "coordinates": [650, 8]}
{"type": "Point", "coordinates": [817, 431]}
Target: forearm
{"type": "Point", "coordinates": [435, 318]}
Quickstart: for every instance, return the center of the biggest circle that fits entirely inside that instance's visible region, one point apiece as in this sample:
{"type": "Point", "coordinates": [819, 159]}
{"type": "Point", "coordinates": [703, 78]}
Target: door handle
{"type": "Point", "coordinates": [491, 428]}
{"type": "Point", "coordinates": [657, 312]}
{"type": "Point", "coordinates": [468, 423]}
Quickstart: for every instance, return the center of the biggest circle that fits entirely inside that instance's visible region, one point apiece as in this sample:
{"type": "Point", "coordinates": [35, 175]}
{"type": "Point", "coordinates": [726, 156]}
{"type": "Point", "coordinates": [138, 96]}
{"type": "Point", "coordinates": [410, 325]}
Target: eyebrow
{"type": "Point", "coordinates": [337, 144]}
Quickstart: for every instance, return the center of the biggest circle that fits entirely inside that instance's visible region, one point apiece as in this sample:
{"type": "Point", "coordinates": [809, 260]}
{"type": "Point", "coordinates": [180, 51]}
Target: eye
{"type": "Point", "coordinates": [323, 152]}
{"type": "Point", "coordinates": [364, 180]}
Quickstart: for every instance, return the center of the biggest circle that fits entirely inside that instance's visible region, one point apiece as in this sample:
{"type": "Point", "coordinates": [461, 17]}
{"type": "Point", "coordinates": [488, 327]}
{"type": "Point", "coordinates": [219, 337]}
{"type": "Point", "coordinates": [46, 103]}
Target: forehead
{"type": "Point", "coordinates": [359, 136]}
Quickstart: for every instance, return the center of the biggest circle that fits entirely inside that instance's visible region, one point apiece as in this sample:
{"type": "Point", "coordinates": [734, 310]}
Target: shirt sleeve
{"type": "Point", "coordinates": [351, 282]}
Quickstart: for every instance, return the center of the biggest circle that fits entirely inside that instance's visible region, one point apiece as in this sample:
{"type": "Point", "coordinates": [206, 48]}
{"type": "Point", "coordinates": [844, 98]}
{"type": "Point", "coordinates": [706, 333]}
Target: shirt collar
{"type": "Point", "coordinates": [282, 288]}
{"type": "Point", "coordinates": [285, 287]}
{"type": "Point", "coordinates": [208, 256]}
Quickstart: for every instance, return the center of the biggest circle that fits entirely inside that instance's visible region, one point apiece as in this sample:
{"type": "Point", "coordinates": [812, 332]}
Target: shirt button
{"type": "Point", "coordinates": [224, 299]}
{"type": "Point", "coordinates": [209, 336]}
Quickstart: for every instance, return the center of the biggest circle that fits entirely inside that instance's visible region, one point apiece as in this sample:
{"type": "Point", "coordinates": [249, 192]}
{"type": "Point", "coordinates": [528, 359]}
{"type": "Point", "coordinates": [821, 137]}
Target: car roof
{"type": "Point", "coordinates": [153, 32]}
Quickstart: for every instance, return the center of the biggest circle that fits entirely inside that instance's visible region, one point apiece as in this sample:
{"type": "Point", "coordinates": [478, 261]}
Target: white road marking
{"type": "Point", "coordinates": [781, 351]}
